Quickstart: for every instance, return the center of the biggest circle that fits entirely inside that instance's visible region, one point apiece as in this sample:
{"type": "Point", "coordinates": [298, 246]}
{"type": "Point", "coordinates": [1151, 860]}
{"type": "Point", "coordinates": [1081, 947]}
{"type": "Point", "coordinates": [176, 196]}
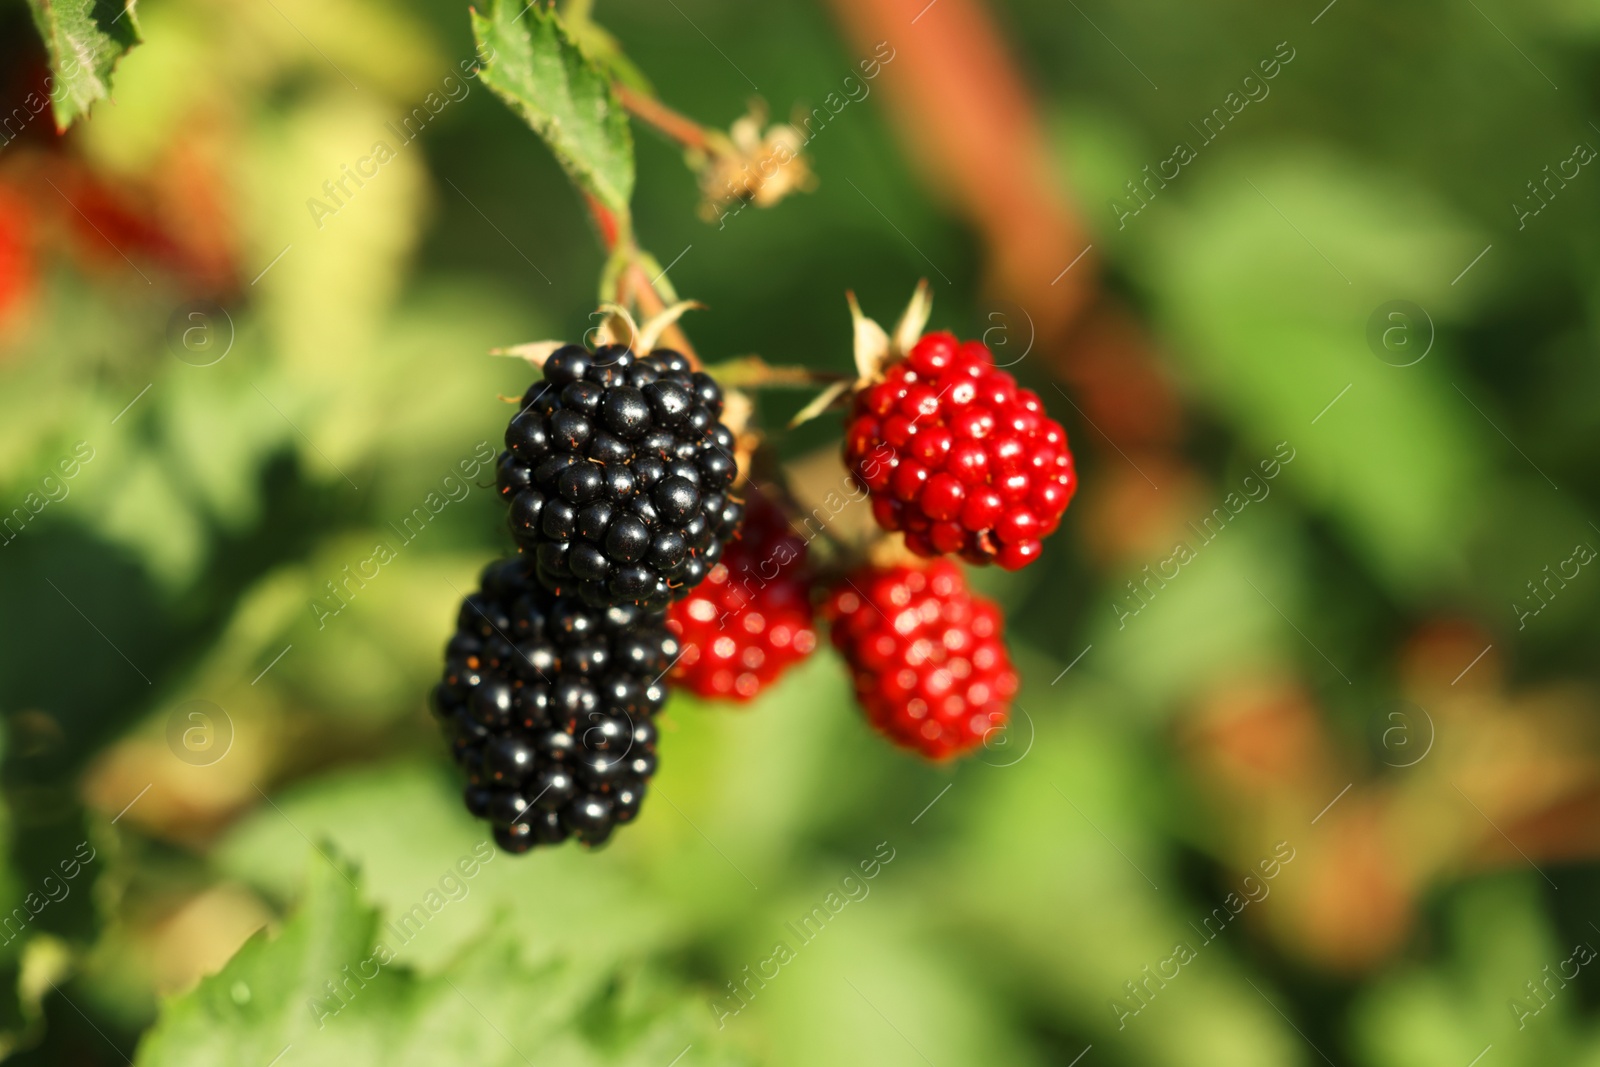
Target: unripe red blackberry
{"type": "Point", "coordinates": [926, 655]}
{"type": "Point", "coordinates": [549, 705]}
{"type": "Point", "coordinates": [618, 472]}
{"type": "Point", "coordinates": [958, 457]}
{"type": "Point", "coordinates": [751, 619]}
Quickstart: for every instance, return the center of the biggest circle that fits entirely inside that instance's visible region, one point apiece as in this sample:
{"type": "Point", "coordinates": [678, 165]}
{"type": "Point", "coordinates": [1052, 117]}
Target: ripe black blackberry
{"type": "Point", "coordinates": [549, 704]}
{"type": "Point", "coordinates": [618, 470]}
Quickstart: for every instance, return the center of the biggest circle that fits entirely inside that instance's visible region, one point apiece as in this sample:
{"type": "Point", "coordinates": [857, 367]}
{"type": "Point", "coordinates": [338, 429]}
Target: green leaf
{"type": "Point", "coordinates": [85, 39]}
{"type": "Point", "coordinates": [606, 51]}
{"type": "Point", "coordinates": [531, 63]}
{"type": "Point", "coordinates": [256, 1005]}
{"type": "Point", "coordinates": [329, 988]}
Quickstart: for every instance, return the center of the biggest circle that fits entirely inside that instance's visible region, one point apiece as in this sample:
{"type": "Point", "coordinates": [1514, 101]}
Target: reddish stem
{"type": "Point", "coordinates": [680, 128]}
{"type": "Point", "coordinates": [605, 220]}
{"type": "Point", "coordinates": [635, 282]}
{"type": "Point", "coordinates": [634, 285]}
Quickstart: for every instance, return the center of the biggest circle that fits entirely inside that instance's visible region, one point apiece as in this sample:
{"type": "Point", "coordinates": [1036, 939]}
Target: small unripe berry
{"type": "Point", "coordinates": [926, 655]}
{"type": "Point", "coordinates": [751, 619]}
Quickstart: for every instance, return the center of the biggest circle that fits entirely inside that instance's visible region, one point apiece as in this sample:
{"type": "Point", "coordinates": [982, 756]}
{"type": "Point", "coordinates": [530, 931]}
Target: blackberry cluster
{"type": "Point", "coordinates": [549, 704]}
{"type": "Point", "coordinates": [617, 471]}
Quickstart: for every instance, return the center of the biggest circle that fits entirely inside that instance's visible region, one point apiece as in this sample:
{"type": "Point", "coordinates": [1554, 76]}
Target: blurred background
{"type": "Point", "coordinates": [1304, 766]}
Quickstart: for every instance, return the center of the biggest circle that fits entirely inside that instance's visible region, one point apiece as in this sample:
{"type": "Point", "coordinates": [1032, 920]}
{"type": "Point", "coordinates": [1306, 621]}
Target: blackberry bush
{"type": "Point", "coordinates": [618, 471]}
{"type": "Point", "coordinates": [549, 704]}
{"type": "Point", "coordinates": [621, 477]}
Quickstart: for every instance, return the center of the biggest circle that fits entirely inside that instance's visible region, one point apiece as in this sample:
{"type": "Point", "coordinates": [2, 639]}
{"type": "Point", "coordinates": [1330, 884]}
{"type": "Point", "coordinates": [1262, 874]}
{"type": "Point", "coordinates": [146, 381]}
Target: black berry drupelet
{"type": "Point", "coordinates": [549, 705]}
{"type": "Point", "coordinates": [618, 473]}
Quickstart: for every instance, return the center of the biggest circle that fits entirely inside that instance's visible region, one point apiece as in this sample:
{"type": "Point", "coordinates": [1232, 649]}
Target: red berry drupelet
{"type": "Point", "coordinates": [926, 656]}
{"type": "Point", "coordinates": [549, 705]}
{"type": "Point", "coordinates": [751, 619]}
{"type": "Point", "coordinates": [958, 457]}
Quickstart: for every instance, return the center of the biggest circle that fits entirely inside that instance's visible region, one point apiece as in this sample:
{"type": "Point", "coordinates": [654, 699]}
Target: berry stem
{"type": "Point", "coordinates": [753, 372]}
{"type": "Point", "coordinates": [679, 127]}
{"type": "Point", "coordinates": [633, 283]}
{"type": "Point", "coordinates": [636, 283]}
{"type": "Point", "coordinates": [612, 229]}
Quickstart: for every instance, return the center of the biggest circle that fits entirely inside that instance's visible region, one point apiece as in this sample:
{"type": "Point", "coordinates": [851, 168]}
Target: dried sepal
{"type": "Point", "coordinates": [617, 328]}
{"type": "Point", "coordinates": [658, 323]}
{"type": "Point", "coordinates": [914, 319]}
{"type": "Point", "coordinates": [872, 346]}
{"type": "Point", "coordinates": [737, 411]}
{"type": "Point", "coordinates": [745, 447]}
{"type": "Point", "coordinates": [821, 402]}
{"type": "Point", "coordinates": [533, 352]}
